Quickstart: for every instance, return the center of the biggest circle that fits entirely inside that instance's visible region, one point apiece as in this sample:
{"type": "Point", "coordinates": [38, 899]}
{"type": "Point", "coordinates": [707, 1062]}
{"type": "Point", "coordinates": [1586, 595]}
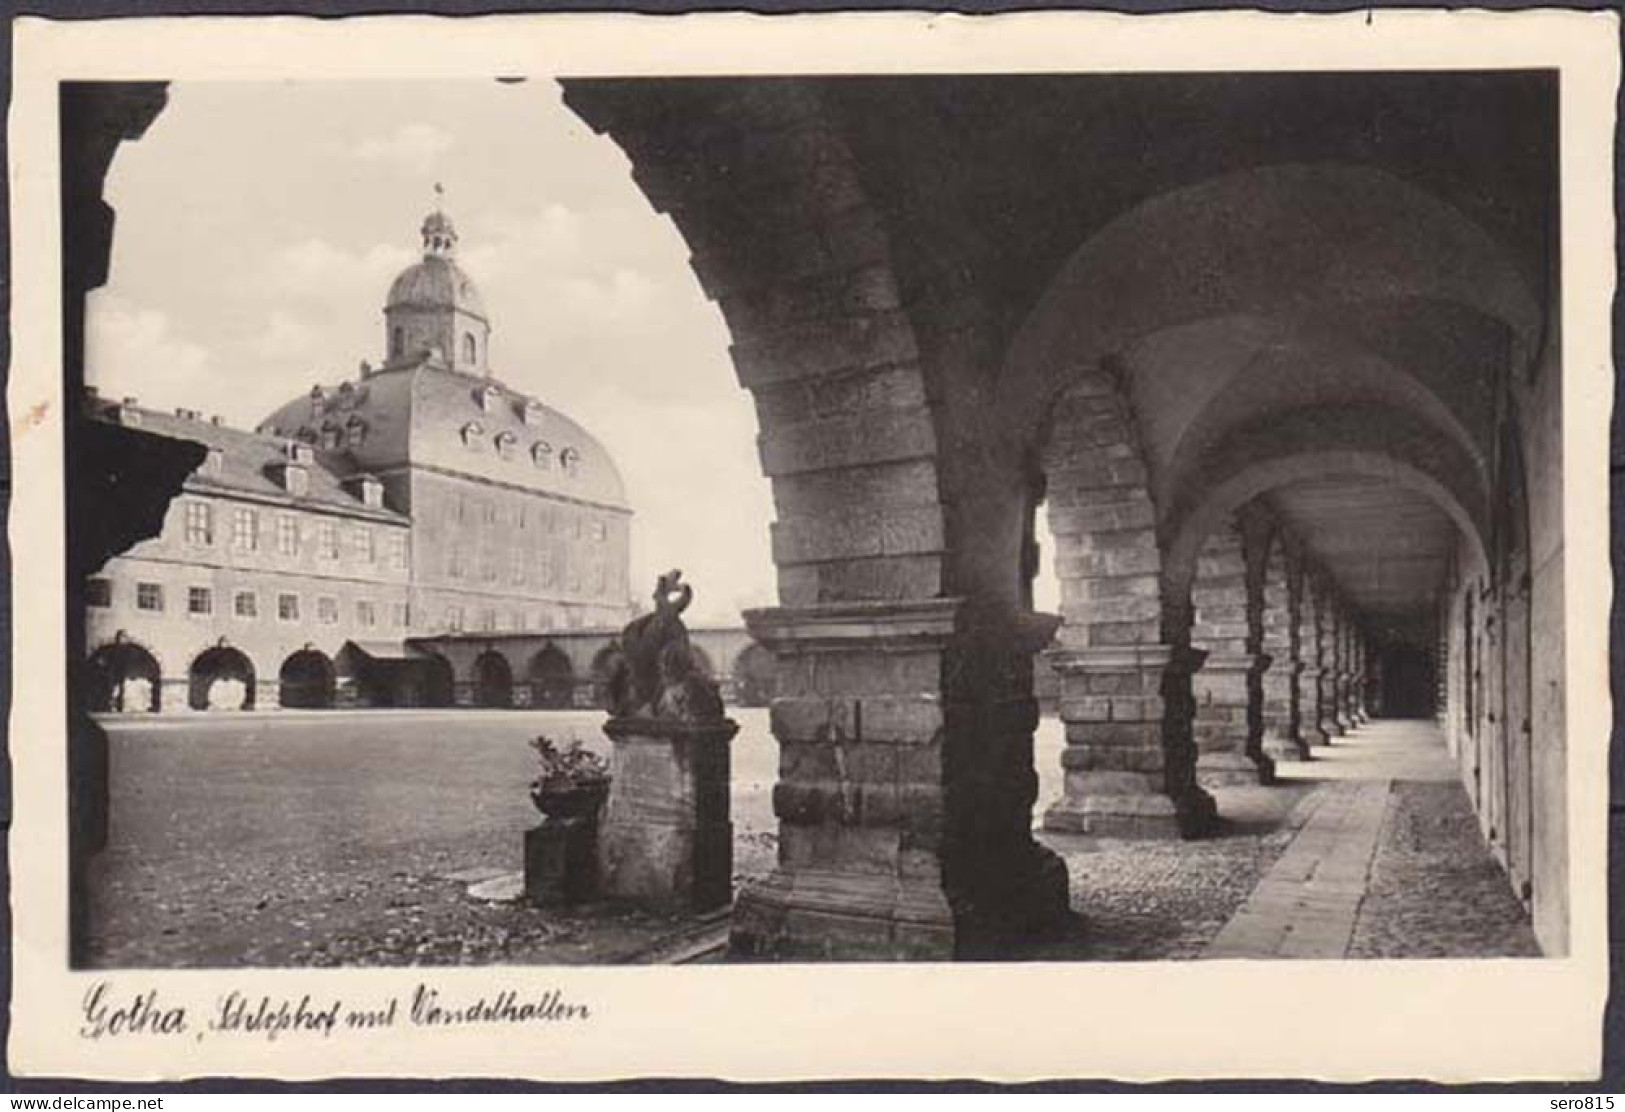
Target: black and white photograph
{"type": "Point", "coordinates": [1087, 517]}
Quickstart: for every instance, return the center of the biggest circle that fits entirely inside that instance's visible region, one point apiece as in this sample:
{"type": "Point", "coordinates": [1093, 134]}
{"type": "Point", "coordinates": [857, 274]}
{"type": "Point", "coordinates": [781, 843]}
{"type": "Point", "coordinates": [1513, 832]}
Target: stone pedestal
{"type": "Point", "coordinates": [1129, 762]}
{"type": "Point", "coordinates": [561, 859]}
{"type": "Point", "coordinates": [1221, 722]}
{"type": "Point", "coordinates": [666, 838]}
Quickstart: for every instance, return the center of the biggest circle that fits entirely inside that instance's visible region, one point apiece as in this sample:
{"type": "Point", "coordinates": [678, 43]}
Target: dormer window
{"type": "Point", "coordinates": [332, 437]}
{"type": "Point", "coordinates": [294, 477]}
{"type": "Point", "coordinates": [533, 412]}
{"type": "Point", "coordinates": [473, 435]}
{"type": "Point", "coordinates": [487, 396]}
{"type": "Point", "coordinates": [505, 444]}
{"type": "Point", "coordinates": [216, 463]}
{"type": "Point", "coordinates": [299, 451]}
{"type": "Point", "coordinates": [318, 401]}
{"type": "Point", "coordinates": [355, 432]}
{"type": "Point", "coordinates": [541, 453]}
{"type": "Point", "coordinates": [569, 461]}
{"type": "Point", "coordinates": [368, 489]}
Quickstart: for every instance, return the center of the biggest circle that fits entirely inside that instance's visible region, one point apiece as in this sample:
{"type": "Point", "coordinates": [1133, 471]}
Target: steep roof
{"type": "Point", "coordinates": [248, 463]}
{"type": "Point", "coordinates": [421, 413]}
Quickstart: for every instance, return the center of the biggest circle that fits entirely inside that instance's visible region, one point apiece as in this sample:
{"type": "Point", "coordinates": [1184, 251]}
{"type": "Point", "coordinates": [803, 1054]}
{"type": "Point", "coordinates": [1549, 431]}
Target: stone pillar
{"type": "Point", "coordinates": [1356, 680]}
{"type": "Point", "coordinates": [666, 838]}
{"type": "Point", "coordinates": [1278, 622]}
{"type": "Point", "coordinates": [1130, 761]}
{"type": "Point", "coordinates": [1345, 674]}
{"type": "Point", "coordinates": [906, 785]}
{"type": "Point", "coordinates": [1223, 687]}
{"type": "Point", "coordinates": [462, 693]}
{"type": "Point", "coordinates": [1311, 721]}
{"type": "Point", "coordinates": [267, 694]}
{"type": "Point", "coordinates": [174, 693]}
{"type": "Point", "coordinates": [1327, 656]}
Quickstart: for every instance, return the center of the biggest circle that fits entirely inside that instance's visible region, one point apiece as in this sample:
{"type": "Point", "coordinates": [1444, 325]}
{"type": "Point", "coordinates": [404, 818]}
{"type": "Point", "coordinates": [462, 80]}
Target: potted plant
{"type": "Point", "coordinates": [571, 781]}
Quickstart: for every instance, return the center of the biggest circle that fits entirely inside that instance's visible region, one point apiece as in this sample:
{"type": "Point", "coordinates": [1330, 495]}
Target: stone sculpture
{"type": "Point", "coordinates": [655, 674]}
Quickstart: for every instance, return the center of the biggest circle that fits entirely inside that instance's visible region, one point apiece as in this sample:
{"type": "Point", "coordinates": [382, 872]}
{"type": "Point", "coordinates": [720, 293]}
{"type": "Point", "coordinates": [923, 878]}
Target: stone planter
{"type": "Point", "coordinates": [575, 801]}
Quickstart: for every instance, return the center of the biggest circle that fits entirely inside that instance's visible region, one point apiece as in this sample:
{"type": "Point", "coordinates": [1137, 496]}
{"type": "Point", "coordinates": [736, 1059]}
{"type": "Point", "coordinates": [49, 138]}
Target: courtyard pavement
{"type": "Point", "coordinates": [360, 838]}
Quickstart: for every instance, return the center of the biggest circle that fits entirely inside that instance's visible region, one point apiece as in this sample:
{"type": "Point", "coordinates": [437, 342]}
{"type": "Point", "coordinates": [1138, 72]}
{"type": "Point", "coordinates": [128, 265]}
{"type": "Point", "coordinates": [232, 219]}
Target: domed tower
{"type": "Point", "coordinates": [434, 307]}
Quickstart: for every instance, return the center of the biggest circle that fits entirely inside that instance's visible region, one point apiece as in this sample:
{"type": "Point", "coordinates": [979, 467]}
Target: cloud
{"type": "Point", "coordinates": [285, 336]}
{"type": "Point", "coordinates": [127, 345]}
{"type": "Point", "coordinates": [314, 268]}
{"type": "Point", "coordinates": [413, 146]}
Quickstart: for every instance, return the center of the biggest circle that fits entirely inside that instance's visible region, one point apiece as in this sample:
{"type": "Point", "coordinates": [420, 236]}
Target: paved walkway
{"type": "Point", "coordinates": [1386, 862]}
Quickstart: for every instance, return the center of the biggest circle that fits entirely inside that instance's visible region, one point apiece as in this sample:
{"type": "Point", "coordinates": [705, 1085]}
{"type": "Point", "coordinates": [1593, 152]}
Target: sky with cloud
{"type": "Point", "coordinates": [259, 226]}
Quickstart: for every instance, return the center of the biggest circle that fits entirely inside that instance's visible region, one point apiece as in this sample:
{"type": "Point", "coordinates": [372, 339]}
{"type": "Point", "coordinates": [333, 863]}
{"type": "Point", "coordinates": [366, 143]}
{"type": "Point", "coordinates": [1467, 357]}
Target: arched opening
{"type": "Point", "coordinates": [124, 678]}
{"type": "Point", "coordinates": [307, 680]}
{"type": "Point", "coordinates": [221, 678]}
{"type": "Point", "coordinates": [493, 680]}
{"type": "Point", "coordinates": [755, 677]}
{"type": "Point", "coordinates": [470, 349]}
{"type": "Point", "coordinates": [552, 679]}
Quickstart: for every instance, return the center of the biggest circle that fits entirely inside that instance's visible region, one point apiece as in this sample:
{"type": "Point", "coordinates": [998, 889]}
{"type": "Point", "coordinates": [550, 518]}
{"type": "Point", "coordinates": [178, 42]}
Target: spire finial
{"type": "Point", "coordinates": [439, 195]}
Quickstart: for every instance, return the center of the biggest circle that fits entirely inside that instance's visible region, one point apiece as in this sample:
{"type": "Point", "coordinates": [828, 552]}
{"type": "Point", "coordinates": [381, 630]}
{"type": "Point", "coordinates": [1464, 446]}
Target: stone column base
{"type": "Point", "coordinates": [1130, 805]}
{"type": "Point", "coordinates": [1227, 768]}
{"type": "Point", "coordinates": [1282, 747]}
{"type": "Point", "coordinates": [823, 915]}
{"type": "Point", "coordinates": [666, 838]}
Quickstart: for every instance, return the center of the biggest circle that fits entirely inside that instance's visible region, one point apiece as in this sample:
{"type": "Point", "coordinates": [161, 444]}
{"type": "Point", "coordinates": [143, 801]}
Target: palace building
{"type": "Point", "coordinates": [305, 561]}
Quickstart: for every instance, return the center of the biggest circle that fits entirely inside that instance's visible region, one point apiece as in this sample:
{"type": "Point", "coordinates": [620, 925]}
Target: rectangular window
{"type": "Point", "coordinates": [516, 565]}
{"type": "Point", "coordinates": [365, 615]}
{"type": "Point", "coordinates": [397, 551]}
{"type": "Point", "coordinates": [400, 615]}
{"type": "Point", "coordinates": [488, 621]}
{"type": "Point", "coordinates": [454, 618]}
{"type": "Point", "coordinates": [287, 535]}
{"type": "Point", "coordinates": [488, 567]}
{"type": "Point", "coordinates": [199, 523]}
{"type": "Point", "coordinates": [149, 596]}
{"type": "Point", "coordinates": [287, 607]}
{"type": "Point", "coordinates": [99, 593]}
{"type": "Point", "coordinates": [361, 544]}
{"type": "Point", "coordinates": [599, 531]}
{"type": "Point", "coordinates": [246, 604]}
{"type": "Point", "coordinates": [454, 562]}
{"type": "Point", "coordinates": [199, 600]}
{"type": "Point", "coordinates": [245, 530]}
{"type": "Point", "coordinates": [327, 540]}
{"type": "Point", "coordinates": [327, 610]}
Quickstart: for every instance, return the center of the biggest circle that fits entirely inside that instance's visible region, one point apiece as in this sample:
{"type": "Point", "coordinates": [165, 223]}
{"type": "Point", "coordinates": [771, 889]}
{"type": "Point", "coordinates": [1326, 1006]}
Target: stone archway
{"type": "Point", "coordinates": [492, 680]}
{"type": "Point", "coordinates": [552, 679]}
{"type": "Point", "coordinates": [221, 678]}
{"type": "Point", "coordinates": [124, 677]}
{"type": "Point", "coordinates": [307, 681]}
